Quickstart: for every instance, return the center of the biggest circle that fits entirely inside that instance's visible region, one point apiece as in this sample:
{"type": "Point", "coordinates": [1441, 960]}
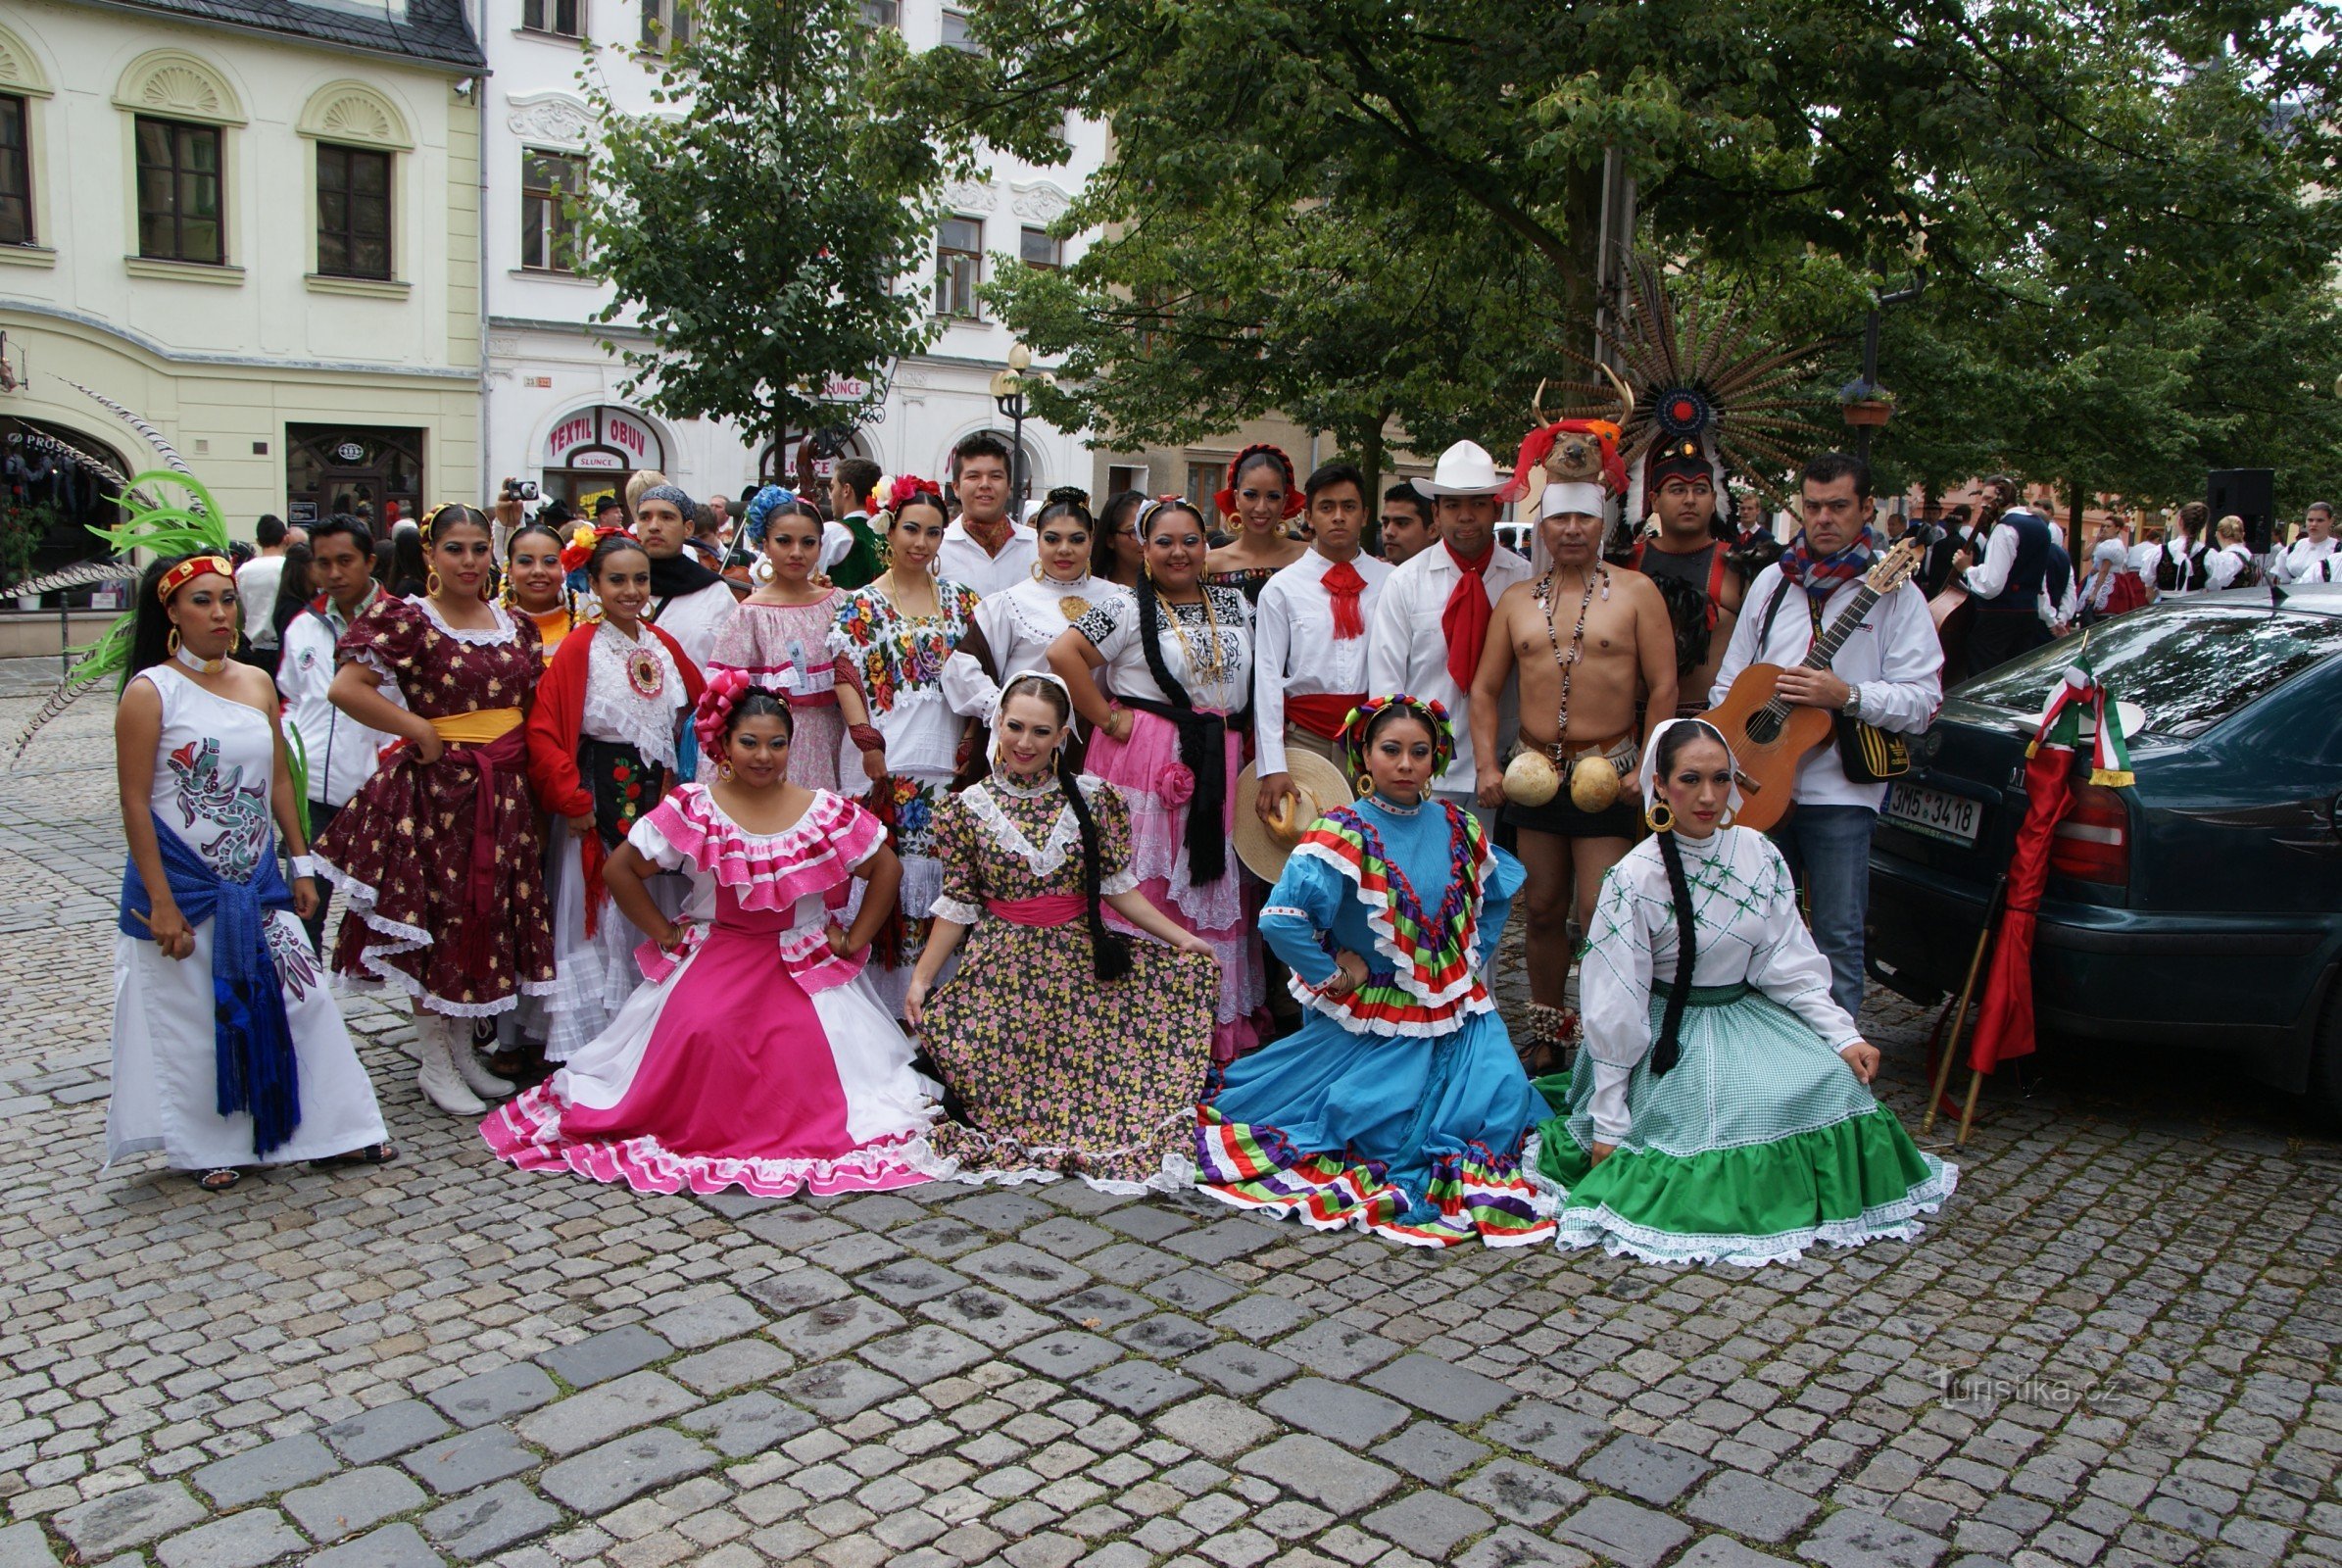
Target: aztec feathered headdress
{"type": "Point", "coordinates": [166, 511]}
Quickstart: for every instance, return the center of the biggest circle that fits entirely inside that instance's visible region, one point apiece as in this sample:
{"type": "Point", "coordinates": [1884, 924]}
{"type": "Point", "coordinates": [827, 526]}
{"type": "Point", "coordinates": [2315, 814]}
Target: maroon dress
{"type": "Point", "coordinates": [445, 873]}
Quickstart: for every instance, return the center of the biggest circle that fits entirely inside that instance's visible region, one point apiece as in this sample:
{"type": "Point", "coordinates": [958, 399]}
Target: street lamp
{"type": "Point", "coordinates": [1008, 395]}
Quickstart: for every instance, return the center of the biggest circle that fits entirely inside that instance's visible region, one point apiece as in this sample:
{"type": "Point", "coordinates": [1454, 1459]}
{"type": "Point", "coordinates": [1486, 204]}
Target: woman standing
{"type": "Point", "coordinates": [601, 752]}
{"type": "Point", "coordinates": [1260, 499]}
{"type": "Point", "coordinates": [1071, 1049]}
{"type": "Point", "coordinates": [228, 1049]}
{"type": "Point", "coordinates": [1020, 621]}
{"type": "Point", "coordinates": [1177, 658]}
{"type": "Point", "coordinates": [893, 638]}
{"type": "Point", "coordinates": [2112, 587]}
{"type": "Point", "coordinates": [759, 1055]}
{"type": "Point", "coordinates": [1119, 555]}
{"type": "Point", "coordinates": [536, 583]}
{"type": "Point", "coordinates": [452, 914]}
{"type": "Point", "coordinates": [1717, 1112]}
{"type": "Point", "coordinates": [779, 636]}
{"type": "Point", "coordinates": [2230, 563]}
{"type": "Point", "coordinates": [1400, 1107]}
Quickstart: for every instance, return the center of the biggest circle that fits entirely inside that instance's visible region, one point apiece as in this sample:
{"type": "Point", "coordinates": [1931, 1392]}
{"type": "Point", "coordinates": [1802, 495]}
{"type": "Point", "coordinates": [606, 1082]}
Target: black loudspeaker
{"type": "Point", "coordinates": [2248, 493]}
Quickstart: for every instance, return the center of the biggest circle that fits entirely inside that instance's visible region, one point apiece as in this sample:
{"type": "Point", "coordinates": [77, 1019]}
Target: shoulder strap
{"type": "Point", "coordinates": [1781, 591]}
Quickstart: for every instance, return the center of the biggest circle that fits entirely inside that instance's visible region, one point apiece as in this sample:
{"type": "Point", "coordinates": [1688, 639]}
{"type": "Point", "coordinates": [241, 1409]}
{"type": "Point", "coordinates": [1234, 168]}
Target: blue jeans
{"type": "Point", "coordinates": [1829, 851]}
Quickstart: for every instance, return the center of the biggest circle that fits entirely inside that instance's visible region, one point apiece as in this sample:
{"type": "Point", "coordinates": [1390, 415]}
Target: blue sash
{"type": "Point", "coordinates": [253, 1040]}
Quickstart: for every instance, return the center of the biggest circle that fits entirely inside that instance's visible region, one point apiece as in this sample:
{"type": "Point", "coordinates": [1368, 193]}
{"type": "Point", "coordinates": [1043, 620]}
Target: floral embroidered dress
{"type": "Point", "coordinates": [1152, 771]}
{"type": "Point", "coordinates": [784, 648]}
{"type": "Point", "coordinates": [1056, 1070]}
{"type": "Point", "coordinates": [1759, 1141]}
{"type": "Point", "coordinates": [897, 662]}
{"type": "Point", "coordinates": [213, 771]}
{"type": "Point", "coordinates": [442, 863]}
{"type": "Point", "coordinates": [759, 1058]}
{"type": "Point", "coordinates": [1399, 1108]}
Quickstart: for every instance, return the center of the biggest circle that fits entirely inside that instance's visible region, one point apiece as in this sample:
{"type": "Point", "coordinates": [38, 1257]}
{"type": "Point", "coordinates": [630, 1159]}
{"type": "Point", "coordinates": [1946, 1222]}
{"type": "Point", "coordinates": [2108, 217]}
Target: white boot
{"type": "Point", "coordinates": [475, 1072]}
{"type": "Point", "coordinates": [442, 1085]}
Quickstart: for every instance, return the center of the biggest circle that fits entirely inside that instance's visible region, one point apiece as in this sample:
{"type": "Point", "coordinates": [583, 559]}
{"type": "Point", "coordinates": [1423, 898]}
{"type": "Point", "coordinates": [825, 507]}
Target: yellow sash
{"type": "Point", "coordinates": [479, 727]}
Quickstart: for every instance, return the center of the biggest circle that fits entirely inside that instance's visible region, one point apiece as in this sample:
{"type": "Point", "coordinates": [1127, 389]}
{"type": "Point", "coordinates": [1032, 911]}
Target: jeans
{"type": "Point", "coordinates": [1829, 851]}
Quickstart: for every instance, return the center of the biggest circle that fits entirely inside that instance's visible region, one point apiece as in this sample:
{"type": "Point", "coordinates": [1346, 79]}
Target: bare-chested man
{"type": "Point", "coordinates": [1606, 635]}
{"type": "Point", "coordinates": [1703, 592]}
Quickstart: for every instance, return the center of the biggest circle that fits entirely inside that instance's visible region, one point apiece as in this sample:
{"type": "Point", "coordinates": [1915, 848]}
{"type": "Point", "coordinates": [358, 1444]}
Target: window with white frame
{"type": "Point", "coordinates": [16, 170]}
{"type": "Point", "coordinates": [550, 183]}
{"type": "Point", "coordinates": [958, 267]}
{"type": "Point", "coordinates": [666, 26]}
{"type": "Point", "coordinates": [564, 17]}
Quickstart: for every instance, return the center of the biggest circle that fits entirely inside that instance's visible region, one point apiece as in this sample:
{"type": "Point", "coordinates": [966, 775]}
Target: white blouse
{"type": "Point", "coordinates": [1019, 622]}
{"type": "Point", "coordinates": [1112, 629]}
{"type": "Point", "coordinates": [2225, 566]}
{"type": "Point", "coordinates": [615, 709]}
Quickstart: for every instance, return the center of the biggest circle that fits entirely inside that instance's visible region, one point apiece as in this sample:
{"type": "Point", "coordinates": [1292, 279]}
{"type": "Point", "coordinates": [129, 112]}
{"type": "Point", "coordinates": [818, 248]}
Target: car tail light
{"type": "Point", "coordinates": [2092, 843]}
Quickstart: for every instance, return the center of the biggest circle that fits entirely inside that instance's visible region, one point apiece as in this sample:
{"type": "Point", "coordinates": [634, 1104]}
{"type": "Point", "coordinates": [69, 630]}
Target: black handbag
{"type": "Point", "coordinates": [1870, 754]}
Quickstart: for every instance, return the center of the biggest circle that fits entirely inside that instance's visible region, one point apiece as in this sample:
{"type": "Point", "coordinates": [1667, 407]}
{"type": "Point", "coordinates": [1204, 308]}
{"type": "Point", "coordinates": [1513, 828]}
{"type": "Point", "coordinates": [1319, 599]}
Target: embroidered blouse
{"type": "Point", "coordinates": [999, 840]}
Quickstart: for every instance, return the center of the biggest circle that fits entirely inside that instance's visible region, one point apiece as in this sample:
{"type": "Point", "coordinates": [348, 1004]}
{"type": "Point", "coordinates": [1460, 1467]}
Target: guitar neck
{"type": "Point", "coordinates": [1826, 646]}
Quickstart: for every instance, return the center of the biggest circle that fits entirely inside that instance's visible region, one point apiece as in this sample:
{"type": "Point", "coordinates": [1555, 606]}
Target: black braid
{"type": "Point", "coordinates": [1109, 951]}
{"type": "Point", "coordinates": [1678, 888]}
{"type": "Point", "coordinates": [1150, 642]}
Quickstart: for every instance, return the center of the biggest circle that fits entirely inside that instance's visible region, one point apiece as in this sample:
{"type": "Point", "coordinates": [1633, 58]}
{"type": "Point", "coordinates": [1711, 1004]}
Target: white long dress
{"type": "Point", "coordinates": [1019, 622]}
{"type": "Point", "coordinates": [213, 773]}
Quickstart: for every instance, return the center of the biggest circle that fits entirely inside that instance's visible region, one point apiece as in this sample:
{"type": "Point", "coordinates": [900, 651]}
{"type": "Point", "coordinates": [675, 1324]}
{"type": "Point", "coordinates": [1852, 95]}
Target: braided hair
{"type": "Point", "coordinates": [1151, 614]}
{"type": "Point", "coordinates": [1678, 888]}
{"type": "Point", "coordinates": [1109, 951]}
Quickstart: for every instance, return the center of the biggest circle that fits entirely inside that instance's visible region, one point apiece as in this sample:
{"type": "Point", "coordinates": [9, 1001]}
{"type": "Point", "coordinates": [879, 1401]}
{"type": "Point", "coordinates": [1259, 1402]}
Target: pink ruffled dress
{"type": "Point", "coordinates": [757, 1057]}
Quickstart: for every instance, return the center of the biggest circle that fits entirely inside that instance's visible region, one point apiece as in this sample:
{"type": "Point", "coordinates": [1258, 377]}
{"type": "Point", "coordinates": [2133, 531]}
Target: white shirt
{"type": "Point", "coordinates": [1295, 648]}
{"type": "Point", "coordinates": [2146, 559]}
{"type": "Point", "coordinates": [1112, 629]}
{"type": "Point", "coordinates": [963, 561]}
{"type": "Point", "coordinates": [2309, 561]}
{"type": "Point", "coordinates": [1893, 660]}
{"type": "Point", "coordinates": [1406, 650]}
{"type": "Point", "coordinates": [694, 618]}
{"type": "Point", "coordinates": [2188, 576]}
{"type": "Point", "coordinates": [1018, 623]}
{"type": "Point", "coordinates": [257, 582]}
{"type": "Point", "coordinates": [339, 751]}
{"type": "Point", "coordinates": [2224, 565]}
{"type": "Point", "coordinates": [2061, 613]}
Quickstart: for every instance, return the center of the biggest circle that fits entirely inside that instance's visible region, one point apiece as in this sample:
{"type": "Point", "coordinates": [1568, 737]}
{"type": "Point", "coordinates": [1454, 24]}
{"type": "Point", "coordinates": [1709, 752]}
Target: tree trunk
{"type": "Point", "coordinates": [1365, 445]}
{"type": "Point", "coordinates": [2074, 503]}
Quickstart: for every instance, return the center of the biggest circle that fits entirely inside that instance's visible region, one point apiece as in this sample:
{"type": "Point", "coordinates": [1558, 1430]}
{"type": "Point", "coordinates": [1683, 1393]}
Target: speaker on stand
{"type": "Point", "coordinates": [2247, 493]}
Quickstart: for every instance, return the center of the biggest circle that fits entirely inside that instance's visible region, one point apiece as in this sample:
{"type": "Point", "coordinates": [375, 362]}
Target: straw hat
{"type": "Point", "coordinates": [1264, 849]}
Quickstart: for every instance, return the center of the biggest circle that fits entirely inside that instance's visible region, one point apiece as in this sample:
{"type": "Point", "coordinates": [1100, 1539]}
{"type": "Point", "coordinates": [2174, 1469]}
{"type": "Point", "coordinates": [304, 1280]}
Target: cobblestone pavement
{"type": "Point", "coordinates": [448, 1361]}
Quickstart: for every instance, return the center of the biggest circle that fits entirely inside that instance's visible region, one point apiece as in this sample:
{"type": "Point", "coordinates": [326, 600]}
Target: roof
{"type": "Point", "coordinates": [430, 32]}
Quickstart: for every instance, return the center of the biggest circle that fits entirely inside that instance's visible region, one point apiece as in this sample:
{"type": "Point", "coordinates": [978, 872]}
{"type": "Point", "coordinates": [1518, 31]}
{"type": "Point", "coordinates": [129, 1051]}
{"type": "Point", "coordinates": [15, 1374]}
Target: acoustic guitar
{"type": "Point", "coordinates": [1769, 737]}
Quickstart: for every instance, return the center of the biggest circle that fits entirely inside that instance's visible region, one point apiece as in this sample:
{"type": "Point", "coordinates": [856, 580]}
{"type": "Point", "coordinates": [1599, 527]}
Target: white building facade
{"type": "Point", "coordinates": [553, 409]}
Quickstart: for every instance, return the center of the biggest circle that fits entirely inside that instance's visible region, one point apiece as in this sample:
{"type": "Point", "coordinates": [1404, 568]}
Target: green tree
{"type": "Point", "coordinates": [758, 228]}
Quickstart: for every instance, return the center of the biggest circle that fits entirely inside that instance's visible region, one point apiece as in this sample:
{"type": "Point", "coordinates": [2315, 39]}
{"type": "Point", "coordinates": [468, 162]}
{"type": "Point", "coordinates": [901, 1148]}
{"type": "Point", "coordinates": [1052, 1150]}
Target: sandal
{"type": "Point", "coordinates": [371, 1154]}
{"type": "Point", "coordinates": [219, 1180]}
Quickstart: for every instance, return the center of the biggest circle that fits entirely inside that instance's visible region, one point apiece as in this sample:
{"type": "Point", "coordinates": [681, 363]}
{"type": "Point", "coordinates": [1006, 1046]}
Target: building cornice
{"type": "Point", "coordinates": [262, 362]}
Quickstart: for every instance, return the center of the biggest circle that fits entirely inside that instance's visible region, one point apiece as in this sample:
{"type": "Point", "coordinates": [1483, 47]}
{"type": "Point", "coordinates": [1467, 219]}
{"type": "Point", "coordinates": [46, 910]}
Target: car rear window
{"type": "Point", "coordinates": [2188, 668]}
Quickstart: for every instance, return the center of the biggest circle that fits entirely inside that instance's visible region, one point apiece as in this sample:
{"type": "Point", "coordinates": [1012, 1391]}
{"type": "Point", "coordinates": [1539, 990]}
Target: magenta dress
{"type": "Point", "coordinates": [756, 1058]}
{"type": "Point", "coordinates": [784, 648]}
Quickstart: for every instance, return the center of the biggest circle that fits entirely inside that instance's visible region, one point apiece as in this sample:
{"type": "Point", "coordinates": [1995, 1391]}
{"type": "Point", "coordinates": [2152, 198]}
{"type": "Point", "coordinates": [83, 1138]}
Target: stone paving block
{"type": "Point", "coordinates": [748, 1424]}
{"type": "Point", "coordinates": [731, 1366]}
{"type": "Point", "coordinates": [1103, 1306]}
{"type": "Point", "coordinates": [1257, 1317]}
{"type": "Point", "coordinates": [1241, 1369]}
{"type": "Point", "coordinates": [1347, 1415]}
{"type": "Point", "coordinates": [262, 1472]}
{"type": "Point", "coordinates": [1215, 1426]}
{"type": "Point", "coordinates": [839, 1389]}
{"type": "Point", "coordinates": [384, 1431]}
{"type": "Point", "coordinates": [1559, 1436]}
{"type": "Point", "coordinates": [1752, 1506]}
{"type": "Point", "coordinates": [599, 1414]}
{"type": "Point", "coordinates": [835, 1328]}
{"type": "Point", "coordinates": [599, 1357]}
{"type": "Point", "coordinates": [599, 1479]}
{"type": "Point", "coordinates": [473, 1460]}
{"type": "Point", "coordinates": [1515, 1547]}
{"type": "Point", "coordinates": [128, 1518]}
{"type": "Point", "coordinates": [1226, 1241]}
{"type": "Point", "coordinates": [1166, 1337]}
{"type": "Point", "coordinates": [1066, 1236]}
{"type": "Point", "coordinates": [924, 1354]}
{"type": "Point", "coordinates": [1454, 1393]}
{"type": "Point", "coordinates": [487, 1522]}
{"type": "Point", "coordinates": [1430, 1523]}
{"type": "Point", "coordinates": [1024, 1272]}
{"type": "Point", "coordinates": [25, 1546]}
{"type": "Point", "coordinates": [1309, 1466]}
{"type": "Point", "coordinates": [792, 1227]}
{"type": "Point", "coordinates": [1655, 1472]}
{"type": "Point", "coordinates": [1135, 1387]}
{"type": "Point", "coordinates": [797, 1288]}
{"type": "Point", "coordinates": [1722, 1551]}
{"type": "Point", "coordinates": [497, 1396]}
{"type": "Point", "coordinates": [1337, 1350]}
{"type": "Point", "coordinates": [909, 1281]}
{"type": "Point", "coordinates": [1194, 1289]}
{"type": "Point", "coordinates": [1129, 1264]}
{"type": "Point", "coordinates": [986, 1316]}
{"type": "Point", "coordinates": [1430, 1452]}
{"type": "Point", "coordinates": [1146, 1222]}
{"type": "Point", "coordinates": [1624, 1532]}
{"type": "Point", "coordinates": [1521, 1492]}
{"type": "Point", "coordinates": [699, 1324]}
{"type": "Point", "coordinates": [942, 1237]}
{"type": "Point", "coordinates": [244, 1540]}
{"type": "Point", "coordinates": [1852, 1537]}
{"type": "Point", "coordinates": [353, 1501]}
{"type": "Point", "coordinates": [1000, 1209]}
{"type": "Point", "coordinates": [1066, 1354]}
{"type": "Point", "coordinates": [392, 1546]}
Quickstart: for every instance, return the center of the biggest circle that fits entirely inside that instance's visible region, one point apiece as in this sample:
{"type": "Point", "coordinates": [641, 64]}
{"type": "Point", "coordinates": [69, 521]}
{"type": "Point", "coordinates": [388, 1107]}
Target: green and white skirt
{"type": "Point", "coordinates": [1756, 1145]}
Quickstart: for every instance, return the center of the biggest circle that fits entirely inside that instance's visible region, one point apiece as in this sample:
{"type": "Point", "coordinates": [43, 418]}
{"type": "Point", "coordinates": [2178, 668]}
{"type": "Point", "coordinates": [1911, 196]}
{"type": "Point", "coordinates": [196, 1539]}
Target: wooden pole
{"type": "Point", "coordinates": [1967, 1113]}
{"type": "Point", "coordinates": [1951, 1048]}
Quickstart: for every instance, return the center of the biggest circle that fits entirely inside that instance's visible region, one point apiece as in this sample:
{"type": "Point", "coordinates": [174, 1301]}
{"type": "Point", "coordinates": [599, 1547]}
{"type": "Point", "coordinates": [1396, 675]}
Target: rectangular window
{"type": "Point", "coordinates": [1203, 482]}
{"type": "Point", "coordinates": [883, 14]}
{"type": "Point", "coordinates": [16, 172]}
{"type": "Point", "coordinates": [549, 184]}
{"type": "Point", "coordinates": [956, 34]}
{"type": "Point", "coordinates": [353, 212]}
{"type": "Point", "coordinates": [179, 192]}
{"type": "Point", "coordinates": [1120, 478]}
{"type": "Point", "coordinates": [551, 15]}
{"type": "Point", "coordinates": [958, 267]}
{"type": "Point", "coordinates": [1038, 249]}
{"type": "Point", "coordinates": [666, 26]}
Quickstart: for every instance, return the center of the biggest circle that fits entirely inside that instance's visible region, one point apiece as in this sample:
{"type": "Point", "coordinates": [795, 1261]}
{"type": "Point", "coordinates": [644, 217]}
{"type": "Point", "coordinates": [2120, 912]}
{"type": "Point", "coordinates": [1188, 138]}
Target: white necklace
{"type": "Point", "coordinates": [201, 666]}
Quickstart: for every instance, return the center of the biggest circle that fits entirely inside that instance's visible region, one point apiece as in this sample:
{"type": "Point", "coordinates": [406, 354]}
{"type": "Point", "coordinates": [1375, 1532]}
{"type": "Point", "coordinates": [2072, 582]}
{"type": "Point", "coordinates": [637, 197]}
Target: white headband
{"type": "Point", "coordinates": [1650, 762]}
{"type": "Point", "coordinates": [1591, 499]}
{"type": "Point", "coordinates": [1000, 698]}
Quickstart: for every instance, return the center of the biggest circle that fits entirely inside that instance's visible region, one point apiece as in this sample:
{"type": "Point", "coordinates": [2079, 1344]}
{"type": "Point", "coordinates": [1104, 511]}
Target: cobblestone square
{"type": "Point", "coordinates": [2115, 1345]}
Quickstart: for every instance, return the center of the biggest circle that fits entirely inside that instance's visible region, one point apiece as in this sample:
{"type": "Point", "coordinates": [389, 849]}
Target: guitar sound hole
{"type": "Point", "coordinates": [1763, 728]}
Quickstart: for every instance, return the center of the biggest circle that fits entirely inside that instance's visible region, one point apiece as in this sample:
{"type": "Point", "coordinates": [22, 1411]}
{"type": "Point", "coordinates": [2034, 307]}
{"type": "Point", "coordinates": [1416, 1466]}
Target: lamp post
{"type": "Point", "coordinates": [1008, 395]}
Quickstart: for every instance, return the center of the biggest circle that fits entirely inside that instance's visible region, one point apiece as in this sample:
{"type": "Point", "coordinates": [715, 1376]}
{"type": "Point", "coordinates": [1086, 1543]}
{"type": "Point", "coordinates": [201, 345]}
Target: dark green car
{"type": "Point", "coordinates": [2201, 905]}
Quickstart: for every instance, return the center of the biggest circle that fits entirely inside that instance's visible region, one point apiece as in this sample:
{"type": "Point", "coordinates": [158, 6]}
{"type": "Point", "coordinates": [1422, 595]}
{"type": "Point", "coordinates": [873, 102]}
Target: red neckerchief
{"type": "Point", "coordinates": [1464, 622]}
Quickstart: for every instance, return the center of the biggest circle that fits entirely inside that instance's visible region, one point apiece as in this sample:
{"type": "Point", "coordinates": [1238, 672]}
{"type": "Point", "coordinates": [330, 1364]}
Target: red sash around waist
{"type": "Point", "coordinates": [1320, 713]}
{"type": "Point", "coordinates": [1046, 910]}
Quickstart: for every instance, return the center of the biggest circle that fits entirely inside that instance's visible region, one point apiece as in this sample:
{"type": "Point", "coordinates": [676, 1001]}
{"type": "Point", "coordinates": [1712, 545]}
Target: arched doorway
{"type": "Point", "coordinates": [50, 497]}
{"type": "Point", "coordinates": [805, 460]}
{"type": "Point", "coordinates": [599, 449]}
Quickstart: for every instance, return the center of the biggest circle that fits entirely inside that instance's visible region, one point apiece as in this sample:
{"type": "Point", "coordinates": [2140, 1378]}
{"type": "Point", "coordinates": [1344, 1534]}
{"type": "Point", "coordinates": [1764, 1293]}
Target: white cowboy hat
{"type": "Point", "coordinates": [1463, 470]}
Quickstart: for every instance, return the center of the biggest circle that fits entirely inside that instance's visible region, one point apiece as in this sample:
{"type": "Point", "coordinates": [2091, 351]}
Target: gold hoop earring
{"type": "Point", "coordinates": [1729, 817]}
{"type": "Point", "coordinates": [432, 583]}
{"type": "Point", "coordinates": [1365, 786]}
{"type": "Point", "coordinates": [170, 643]}
{"type": "Point", "coordinates": [1659, 816]}
{"type": "Point", "coordinates": [1037, 571]}
{"type": "Point", "coordinates": [236, 638]}
{"type": "Point", "coordinates": [487, 592]}
{"type": "Point", "coordinates": [723, 772]}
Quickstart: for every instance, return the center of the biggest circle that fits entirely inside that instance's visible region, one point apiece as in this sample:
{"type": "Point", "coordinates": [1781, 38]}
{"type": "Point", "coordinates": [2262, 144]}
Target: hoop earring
{"type": "Point", "coordinates": [1037, 571]}
{"type": "Point", "coordinates": [723, 772]}
{"type": "Point", "coordinates": [1365, 786]}
{"type": "Point", "coordinates": [1659, 816]}
{"type": "Point", "coordinates": [1730, 816]}
{"type": "Point", "coordinates": [432, 583]}
{"type": "Point", "coordinates": [235, 639]}
{"type": "Point", "coordinates": [487, 592]}
{"type": "Point", "coordinates": [170, 641]}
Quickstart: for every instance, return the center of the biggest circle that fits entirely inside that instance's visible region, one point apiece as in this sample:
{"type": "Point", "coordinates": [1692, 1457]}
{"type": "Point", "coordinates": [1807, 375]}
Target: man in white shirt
{"type": "Point", "coordinates": [1432, 619]}
{"type": "Point", "coordinates": [1888, 674]}
{"type": "Point", "coordinates": [984, 547]}
{"type": "Point", "coordinates": [257, 582]}
{"type": "Point", "coordinates": [2310, 557]}
{"type": "Point", "coordinates": [1309, 633]}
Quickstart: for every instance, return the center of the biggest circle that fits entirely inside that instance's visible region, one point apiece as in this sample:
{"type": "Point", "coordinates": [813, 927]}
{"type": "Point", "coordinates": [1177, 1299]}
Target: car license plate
{"type": "Point", "coordinates": [1952, 818]}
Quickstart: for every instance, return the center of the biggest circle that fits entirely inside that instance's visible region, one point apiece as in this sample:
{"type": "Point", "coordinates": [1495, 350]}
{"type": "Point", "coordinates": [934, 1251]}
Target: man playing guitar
{"type": "Point", "coordinates": [1888, 673]}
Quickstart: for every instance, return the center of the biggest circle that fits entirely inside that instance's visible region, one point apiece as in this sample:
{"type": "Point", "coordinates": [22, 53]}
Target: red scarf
{"type": "Point", "coordinates": [1464, 620]}
{"type": "Point", "coordinates": [1343, 585]}
{"type": "Point", "coordinates": [993, 536]}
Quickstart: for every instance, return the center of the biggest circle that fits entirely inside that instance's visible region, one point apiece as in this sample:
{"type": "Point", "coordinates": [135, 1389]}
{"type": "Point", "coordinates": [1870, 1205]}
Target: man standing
{"type": "Point", "coordinates": [257, 582]}
{"type": "Point", "coordinates": [688, 602]}
{"type": "Point", "coordinates": [339, 751]}
{"type": "Point", "coordinates": [2310, 557]}
{"type": "Point", "coordinates": [1430, 622]}
{"type": "Point", "coordinates": [1693, 561]}
{"type": "Point", "coordinates": [1888, 674]}
{"type": "Point", "coordinates": [1309, 633]}
{"type": "Point", "coordinates": [849, 553]}
{"type": "Point", "coordinates": [721, 505]}
{"type": "Point", "coordinates": [1587, 642]}
{"type": "Point", "coordinates": [2011, 581]}
{"type": "Point", "coordinates": [984, 547]}
{"type": "Point", "coordinates": [1406, 525]}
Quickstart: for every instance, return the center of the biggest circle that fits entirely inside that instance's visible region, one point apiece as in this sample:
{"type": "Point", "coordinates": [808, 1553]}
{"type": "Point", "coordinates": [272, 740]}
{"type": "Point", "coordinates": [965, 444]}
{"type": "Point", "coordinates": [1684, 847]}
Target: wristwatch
{"type": "Point", "coordinates": [1853, 701]}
